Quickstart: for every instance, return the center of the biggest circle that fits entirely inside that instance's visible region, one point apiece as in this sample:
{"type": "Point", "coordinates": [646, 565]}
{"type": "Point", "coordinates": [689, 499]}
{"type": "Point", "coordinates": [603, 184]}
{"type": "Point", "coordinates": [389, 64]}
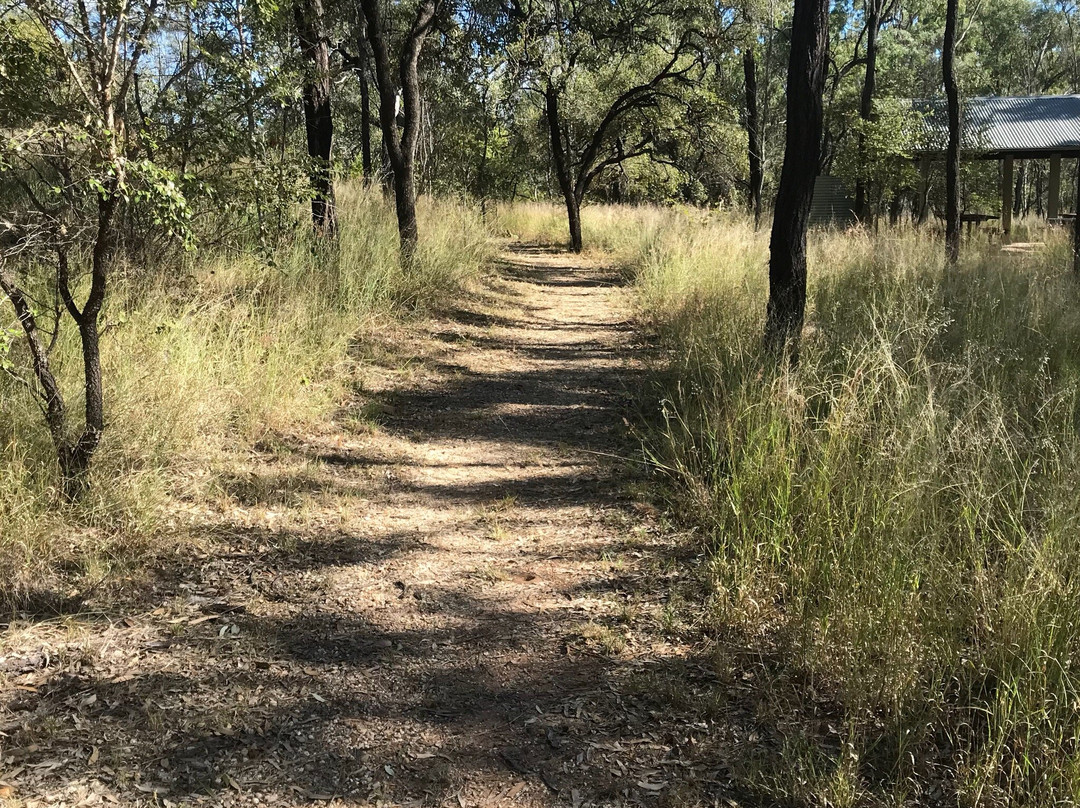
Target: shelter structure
{"type": "Point", "coordinates": [1006, 129]}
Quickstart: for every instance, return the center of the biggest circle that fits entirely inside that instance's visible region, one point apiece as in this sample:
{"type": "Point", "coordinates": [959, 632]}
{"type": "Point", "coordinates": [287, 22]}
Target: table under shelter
{"type": "Point", "coordinates": [1006, 129]}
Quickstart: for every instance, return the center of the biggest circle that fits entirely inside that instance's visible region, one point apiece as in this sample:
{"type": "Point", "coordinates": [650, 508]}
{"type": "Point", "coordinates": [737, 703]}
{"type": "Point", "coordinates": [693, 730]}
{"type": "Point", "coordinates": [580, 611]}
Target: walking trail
{"type": "Point", "coordinates": [467, 604]}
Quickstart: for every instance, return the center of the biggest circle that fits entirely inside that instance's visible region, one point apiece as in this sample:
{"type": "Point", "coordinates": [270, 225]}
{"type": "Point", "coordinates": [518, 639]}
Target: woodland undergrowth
{"type": "Point", "coordinates": [205, 354]}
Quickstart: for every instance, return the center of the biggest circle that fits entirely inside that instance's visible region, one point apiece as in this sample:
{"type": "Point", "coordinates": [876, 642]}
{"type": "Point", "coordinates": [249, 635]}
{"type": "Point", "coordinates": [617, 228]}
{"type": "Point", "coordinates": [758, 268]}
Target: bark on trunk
{"type": "Point", "coordinates": [318, 117]}
{"type": "Point", "coordinates": [787, 246]}
{"type": "Point", "coordinates": [753, 133]}
{"type": "Point", "coordinates": [562, 168]}
{"type": "Point", "coordinates": [952, 154]}
{"type": "Point", "coordinates": [866, 105]}
{"type": "Point", "coordinates": [401, 150]}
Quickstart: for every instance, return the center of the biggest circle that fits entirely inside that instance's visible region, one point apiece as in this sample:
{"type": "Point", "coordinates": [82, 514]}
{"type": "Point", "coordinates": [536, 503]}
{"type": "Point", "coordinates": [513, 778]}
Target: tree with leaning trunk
{"type": "Point", "coordinates": [578, 164]}
{"type": "Point", "coordinates": [952, 152]}
{"type": "Point", "coordinates": [400, 143]}
{"type": "Point", "coordinates": [802, 152]}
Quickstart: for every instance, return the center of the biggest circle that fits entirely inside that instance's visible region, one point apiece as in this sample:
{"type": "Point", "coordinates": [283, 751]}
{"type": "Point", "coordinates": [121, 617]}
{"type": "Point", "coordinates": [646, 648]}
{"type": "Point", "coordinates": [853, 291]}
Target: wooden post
{"type": "Point", "coordinates": [1053, 200]}
{"type": "Point", "coordinates": [1076, 223]}
{"type": "Point", "coordinates": [1006, 195]}
{"type": "Point", "coordinates": [924, 189]}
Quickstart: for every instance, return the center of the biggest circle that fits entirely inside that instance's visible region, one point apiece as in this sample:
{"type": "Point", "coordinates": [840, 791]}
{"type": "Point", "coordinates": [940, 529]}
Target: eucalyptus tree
{"type": "Point", "coordinates": [602, 71]}
{"type": "Point", "coordinates": [875, 13]}
{"type": "Point", "coordinates": [69, 166]}
{"type": "Point", "coordinates": [311, 30]}
{"type": "Point", "coordinates": [390, 47]}
{"type": "Point", "coordinates": [787, 244]}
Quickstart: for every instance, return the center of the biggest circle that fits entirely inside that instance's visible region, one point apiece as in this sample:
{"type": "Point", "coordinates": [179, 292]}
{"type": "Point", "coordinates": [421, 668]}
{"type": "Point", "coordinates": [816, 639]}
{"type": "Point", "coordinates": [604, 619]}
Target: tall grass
{"type": "Point", "coordinates": [893, 527]}
{"type": "Point", "coordinates": [205, 357]}
{"type": "Point", "coordinates": [617, 231]}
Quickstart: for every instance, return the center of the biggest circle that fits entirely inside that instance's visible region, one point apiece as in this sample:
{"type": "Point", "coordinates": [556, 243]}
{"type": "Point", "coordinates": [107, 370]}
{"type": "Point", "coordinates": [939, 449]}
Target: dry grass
{"type": "Point", "coordinates": [892, 528]}
{"type": "Point", "coordinates": [619, 231]}
{"type": "Point", "coordinates": [204, 360]}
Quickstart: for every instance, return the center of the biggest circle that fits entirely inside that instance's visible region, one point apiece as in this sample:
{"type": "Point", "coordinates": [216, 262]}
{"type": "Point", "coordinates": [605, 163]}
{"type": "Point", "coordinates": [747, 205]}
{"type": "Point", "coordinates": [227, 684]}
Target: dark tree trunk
{"type": "Point", "coordinates": [318, 117]}
{"type": "Point", "coordinates": [753, 132]}
{"type": "Point", "coordinates": [952, 154]}
{"type": "Point", "coordinates": [802, 152]}
{"type": "Point", "coordinates": [1018, 193]}
{"type": "Point", "coordinates": [401, 151]}
{"type": "Point", "coordinates": [405, 208]}
{"type": "Point", "coordinates": [365, 125]}
{"type": "Point", "coordinates": [896, 206]}
{"type": "Point", "coordinates": [866, 104]}
{"type": "Point", "coordinates": [1039, 210]}
{"type": "Point", "coordinates": [76, 456]}
{"type": "Point", "coordinates": [562, 168]}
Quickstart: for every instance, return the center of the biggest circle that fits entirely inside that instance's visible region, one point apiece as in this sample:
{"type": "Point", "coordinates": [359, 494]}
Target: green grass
{"type": "Point", "coordinates": [893, 528]}
{"type": "Point", "coordinates": [203, 358]}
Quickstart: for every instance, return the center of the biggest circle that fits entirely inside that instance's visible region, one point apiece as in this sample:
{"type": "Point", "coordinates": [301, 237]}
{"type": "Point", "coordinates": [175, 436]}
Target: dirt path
{"type": "Point", "coordinates": [463, 606]}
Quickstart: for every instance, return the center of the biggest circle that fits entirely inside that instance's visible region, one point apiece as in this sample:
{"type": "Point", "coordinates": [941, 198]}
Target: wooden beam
{"type": "Point", "coordinates": [1006, 195]}
{"type": "Point", "coordinates": [1053, 200]}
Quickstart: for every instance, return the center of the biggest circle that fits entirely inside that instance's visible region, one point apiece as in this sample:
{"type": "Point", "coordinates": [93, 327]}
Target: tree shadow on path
{"type": "Point", "coordinates": [474, 618]}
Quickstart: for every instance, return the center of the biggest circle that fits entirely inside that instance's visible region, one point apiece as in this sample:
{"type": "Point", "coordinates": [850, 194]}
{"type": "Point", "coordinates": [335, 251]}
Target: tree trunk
{"type": "Point", "coordinates": [753, 133]}
{"type": "Point", "coordinates": [401, 152]}
{"type": "Point", "coordinates": [562, 169]}
{"type": "Point", "coordinates": [802, 152]}
{"type": "Point", "coordinates": [318, 117]}
{"type": "Point", "coordinates": [896, 206]}
{"type": "Point", "coordinates": [952, 154]}
{"type": "Point", "coordinates": [405, 208]}
{"type": "Point", "coordinates": [75, 458]}
{"type": "Point", "coordinates": [1040, 211]}
{"type": "Point", "coordinates": [1018, 193]}
{"type": "Point", "coordinates": [866, 105]}
{"type": "Point", "coordinates": [365, 125]}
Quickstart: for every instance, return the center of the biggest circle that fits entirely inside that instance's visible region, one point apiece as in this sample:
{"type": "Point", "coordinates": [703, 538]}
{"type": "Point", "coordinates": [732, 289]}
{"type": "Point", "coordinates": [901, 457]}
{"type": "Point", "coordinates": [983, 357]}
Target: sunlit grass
{"type": "Point", "coordinates": [204, 357]}
{"type": "Point", "coordinates": [894, 522]}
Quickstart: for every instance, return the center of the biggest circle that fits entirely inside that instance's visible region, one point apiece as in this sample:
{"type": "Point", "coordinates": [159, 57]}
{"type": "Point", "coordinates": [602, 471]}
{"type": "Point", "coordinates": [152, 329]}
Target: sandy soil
{"type": "Point", "coordinates": [464, 605]}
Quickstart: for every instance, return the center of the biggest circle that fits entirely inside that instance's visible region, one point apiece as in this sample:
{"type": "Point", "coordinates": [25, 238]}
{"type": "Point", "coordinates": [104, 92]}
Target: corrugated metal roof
{"type": "Point", "coordinates": [998, 124]}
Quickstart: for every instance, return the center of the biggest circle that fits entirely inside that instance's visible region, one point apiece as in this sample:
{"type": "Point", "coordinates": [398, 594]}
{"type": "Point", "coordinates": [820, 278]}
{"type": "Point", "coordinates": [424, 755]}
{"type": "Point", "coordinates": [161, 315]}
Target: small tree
{"type": "Point", "coordinates": [400, 139]}
{"type": "Point", "coordinates": [75, 166]}
{"type": "Point", "coordinates": [603, 72]}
